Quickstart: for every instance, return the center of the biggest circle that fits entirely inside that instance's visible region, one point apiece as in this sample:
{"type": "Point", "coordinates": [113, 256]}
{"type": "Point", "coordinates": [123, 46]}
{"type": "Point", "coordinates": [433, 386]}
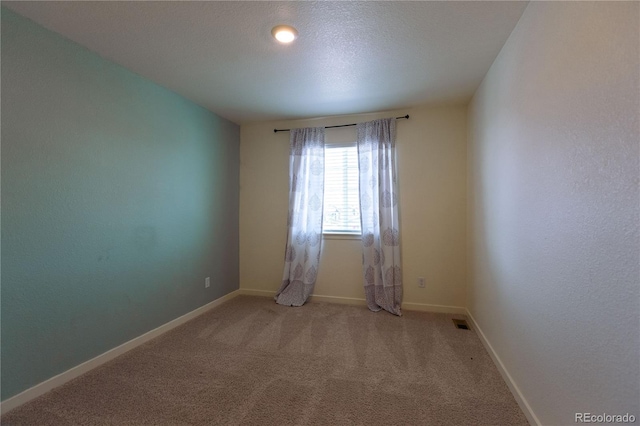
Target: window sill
{"type": "Point", "coordinates": [335, 236]}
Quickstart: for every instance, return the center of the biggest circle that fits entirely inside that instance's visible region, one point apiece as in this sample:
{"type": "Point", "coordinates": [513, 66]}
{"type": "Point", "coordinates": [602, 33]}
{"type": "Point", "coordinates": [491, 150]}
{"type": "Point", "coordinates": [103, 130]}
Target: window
{"type": "Point", "coordinates": [341, 197]}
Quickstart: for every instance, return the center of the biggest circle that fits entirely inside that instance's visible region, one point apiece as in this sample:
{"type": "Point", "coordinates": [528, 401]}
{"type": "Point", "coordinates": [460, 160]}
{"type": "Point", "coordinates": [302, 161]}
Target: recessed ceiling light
{"type": "Point", "coordinates": [284, 33]}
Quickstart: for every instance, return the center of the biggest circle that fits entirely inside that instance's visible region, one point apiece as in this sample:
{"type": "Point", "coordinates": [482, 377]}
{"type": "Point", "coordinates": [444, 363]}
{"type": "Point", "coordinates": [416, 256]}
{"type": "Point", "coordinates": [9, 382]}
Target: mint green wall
{"type": "Point", "coordinates": [118, 198]}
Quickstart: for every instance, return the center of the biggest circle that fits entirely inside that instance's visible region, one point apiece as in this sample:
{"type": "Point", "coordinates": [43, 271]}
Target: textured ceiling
{"type": "Point", "coordinates": [350, 57]}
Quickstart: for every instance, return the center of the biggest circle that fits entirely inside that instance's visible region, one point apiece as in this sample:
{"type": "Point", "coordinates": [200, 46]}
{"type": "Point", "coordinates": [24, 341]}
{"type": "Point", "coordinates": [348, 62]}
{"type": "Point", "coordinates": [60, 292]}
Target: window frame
{"type": "Point", "coordinates": [341, 235]}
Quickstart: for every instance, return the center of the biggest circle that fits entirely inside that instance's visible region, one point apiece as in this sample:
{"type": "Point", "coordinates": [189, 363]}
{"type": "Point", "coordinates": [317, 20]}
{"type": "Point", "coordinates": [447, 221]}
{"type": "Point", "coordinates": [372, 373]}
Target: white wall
{"type": "Point", "coordinates": [431, 148]}
{"type": "Point", "coordinates": [553, 178]}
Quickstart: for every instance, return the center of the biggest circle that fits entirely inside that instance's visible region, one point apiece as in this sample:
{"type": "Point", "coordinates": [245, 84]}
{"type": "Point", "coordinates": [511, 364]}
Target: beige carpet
{"type": "Point", "coordinates": [253, 362]}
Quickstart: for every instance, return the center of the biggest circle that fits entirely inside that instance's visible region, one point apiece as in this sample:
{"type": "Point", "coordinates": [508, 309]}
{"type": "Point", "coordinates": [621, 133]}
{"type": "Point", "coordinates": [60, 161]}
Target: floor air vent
{"type": "Point", "coordinates": [461, 324]}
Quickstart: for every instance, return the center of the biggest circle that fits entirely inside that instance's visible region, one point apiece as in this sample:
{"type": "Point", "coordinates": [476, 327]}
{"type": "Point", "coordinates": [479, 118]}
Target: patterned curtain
{"type": "Point", "coordinates": [379, 215]}
{"type": "Point", "coordinates": [304, 224]}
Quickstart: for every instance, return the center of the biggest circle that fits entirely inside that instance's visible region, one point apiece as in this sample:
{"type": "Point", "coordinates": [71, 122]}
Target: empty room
{"type": "Point", "coordinates": [320, 213]}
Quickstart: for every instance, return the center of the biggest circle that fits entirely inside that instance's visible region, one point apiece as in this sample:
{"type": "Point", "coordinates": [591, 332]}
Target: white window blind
{"type": "Point", "coordinates": [341, 198]}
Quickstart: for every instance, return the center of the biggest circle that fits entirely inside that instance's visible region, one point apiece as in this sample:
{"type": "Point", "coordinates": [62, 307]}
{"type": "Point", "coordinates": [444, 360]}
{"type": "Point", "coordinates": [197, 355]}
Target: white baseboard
{"type": "Point", "coordinates": [443, 309]}
{"type": "Point", "coordinates": [62, 378]}
{"type": "Point", "coordinates": [312, 298]}
{"type": "Point", "coordinates": [337, 299]}
{"type": "Point", "coordinates": [522, 402]}
{"type": "Point", "coordinates": [361, 302]}
{"type": "Point", "coordinates": [252, 292]}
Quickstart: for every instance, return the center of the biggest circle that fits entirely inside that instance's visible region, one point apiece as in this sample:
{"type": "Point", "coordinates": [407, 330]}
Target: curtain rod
{"type": "Point", "coordinates": [333, 127]}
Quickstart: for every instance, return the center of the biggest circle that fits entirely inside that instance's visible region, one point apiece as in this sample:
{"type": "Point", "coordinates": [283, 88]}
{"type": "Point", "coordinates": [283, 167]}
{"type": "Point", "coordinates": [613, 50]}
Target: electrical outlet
{"type": "Point", "coordinates": [207, 282]}
{"type": "Point", "coordinates": [421, 282]}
